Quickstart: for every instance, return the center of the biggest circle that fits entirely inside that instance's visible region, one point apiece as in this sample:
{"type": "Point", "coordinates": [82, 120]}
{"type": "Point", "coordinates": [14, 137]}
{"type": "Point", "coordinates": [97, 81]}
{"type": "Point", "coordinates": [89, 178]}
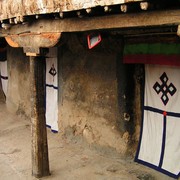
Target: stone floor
{"type": "Point", "coordinates": [70, 158]}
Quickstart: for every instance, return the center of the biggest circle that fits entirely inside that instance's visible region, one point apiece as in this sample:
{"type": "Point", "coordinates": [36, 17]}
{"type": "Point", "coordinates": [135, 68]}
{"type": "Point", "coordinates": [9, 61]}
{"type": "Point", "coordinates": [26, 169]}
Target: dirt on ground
{"type": "Point", "coordinates": [70, 157]}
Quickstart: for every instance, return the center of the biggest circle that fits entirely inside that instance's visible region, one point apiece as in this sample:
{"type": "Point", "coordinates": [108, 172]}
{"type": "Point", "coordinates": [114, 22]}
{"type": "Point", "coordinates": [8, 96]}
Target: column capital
{"type": "Point", "coordinates": [32, 43]}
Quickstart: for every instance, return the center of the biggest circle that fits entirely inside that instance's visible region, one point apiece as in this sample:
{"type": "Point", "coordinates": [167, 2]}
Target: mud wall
{"type": "Point", "coordinates": [97, 93]}
{"type": "Point", "coordinates": [18, 95]}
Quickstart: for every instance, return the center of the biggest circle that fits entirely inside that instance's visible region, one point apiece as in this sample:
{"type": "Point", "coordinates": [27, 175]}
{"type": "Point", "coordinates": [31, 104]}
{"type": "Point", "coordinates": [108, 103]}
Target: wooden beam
{"type": "Point", "coordinates": [128, 20]}
{"type": "Point", "coordinates": [167, 38]}
{"type": "Point", "coordinates": [40, 161]}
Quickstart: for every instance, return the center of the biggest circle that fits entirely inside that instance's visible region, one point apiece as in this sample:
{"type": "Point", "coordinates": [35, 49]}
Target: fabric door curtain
{"type": "Point", "coordinates": [52, 90]}
{"type": "Point", "coordinates": [159, 144]}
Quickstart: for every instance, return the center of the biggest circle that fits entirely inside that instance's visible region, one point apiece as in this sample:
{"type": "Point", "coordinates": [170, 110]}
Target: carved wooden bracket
{"type": "Point", "coordinates": [32, 43]}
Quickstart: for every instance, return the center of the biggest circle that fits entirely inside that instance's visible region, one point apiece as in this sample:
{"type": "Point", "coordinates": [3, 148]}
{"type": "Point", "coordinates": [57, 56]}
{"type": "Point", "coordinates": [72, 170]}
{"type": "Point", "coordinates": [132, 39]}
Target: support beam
{"type": "Point", "coordinates": [40, 161]}
{"type": "Point", "coordinates": [127, 20]}
{"type": "Point", "coordinates": [178, 30]}
{"type": "Point", "coordinates": [144, 5]}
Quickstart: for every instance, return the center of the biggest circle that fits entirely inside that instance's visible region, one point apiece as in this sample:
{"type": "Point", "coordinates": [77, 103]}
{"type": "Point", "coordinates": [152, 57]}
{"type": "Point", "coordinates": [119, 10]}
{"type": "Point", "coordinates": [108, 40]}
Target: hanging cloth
{"type": "Point", "coordinates": [52, 90]}
{"type": "Point", "coordinates": [152, 53]}
{"type": "Point", "coordinates": [159, 145]}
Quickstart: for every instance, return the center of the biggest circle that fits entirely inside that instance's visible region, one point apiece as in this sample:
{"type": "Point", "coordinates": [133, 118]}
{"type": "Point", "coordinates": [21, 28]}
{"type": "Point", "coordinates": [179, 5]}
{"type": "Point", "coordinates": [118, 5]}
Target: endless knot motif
{"type": "Point", "coordinates": [52, 71]}
{"type": "Point", "coordinates": [164, 88]}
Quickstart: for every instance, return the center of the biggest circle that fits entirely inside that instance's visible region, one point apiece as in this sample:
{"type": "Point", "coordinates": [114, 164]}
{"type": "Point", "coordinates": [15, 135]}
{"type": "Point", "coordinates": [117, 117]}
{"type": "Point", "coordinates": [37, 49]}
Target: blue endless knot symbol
{"type": "Point", "coordinates": [164, 88]}
{"type": "Point", "coordinates": [52, 71]}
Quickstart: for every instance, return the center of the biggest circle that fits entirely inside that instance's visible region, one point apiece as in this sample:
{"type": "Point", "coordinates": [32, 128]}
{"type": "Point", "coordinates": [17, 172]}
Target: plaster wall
{"type": "Point", "coordinates": [18, 95]}
{"type": "Point", "coordinates": [97, 94]}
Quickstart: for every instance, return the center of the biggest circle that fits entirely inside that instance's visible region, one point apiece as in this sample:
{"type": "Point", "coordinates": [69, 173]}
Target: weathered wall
{"type": "Point", "coordinates": [99, 96]}
{"type": "Point", "coordinates": [92, 99]}
{"type": "Point", "coordinates": [18, 97]}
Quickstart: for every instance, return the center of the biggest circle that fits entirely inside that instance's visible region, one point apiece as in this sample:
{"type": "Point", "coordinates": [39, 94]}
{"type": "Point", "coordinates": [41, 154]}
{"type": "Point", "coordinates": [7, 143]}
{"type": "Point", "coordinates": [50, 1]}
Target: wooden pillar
{"type": "Point", "coordinates": [40, 160]}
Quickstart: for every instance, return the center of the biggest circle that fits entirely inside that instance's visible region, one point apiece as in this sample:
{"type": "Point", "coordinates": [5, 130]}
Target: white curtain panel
{"type": "Point", "coordinates": [4, 76]}
{"type": "Point", "coordinates": [159, 145]}
{"type": "Point", "coordinates": [52, 90]}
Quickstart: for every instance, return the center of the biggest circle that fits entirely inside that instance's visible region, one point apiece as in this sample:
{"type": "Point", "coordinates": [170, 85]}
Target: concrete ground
{"type": "Point", "coordinates": [70, 158]}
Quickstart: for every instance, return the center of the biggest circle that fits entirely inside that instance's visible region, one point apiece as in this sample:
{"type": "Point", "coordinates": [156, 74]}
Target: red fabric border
{"type": "Point", "coordinates": [171, 60]}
